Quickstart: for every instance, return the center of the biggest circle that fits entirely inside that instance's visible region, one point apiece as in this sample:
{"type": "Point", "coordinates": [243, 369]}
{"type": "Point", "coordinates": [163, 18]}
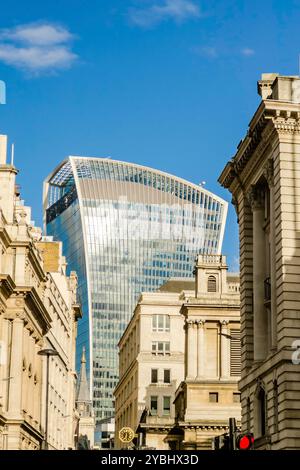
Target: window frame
{"type": "Point", "coordinates": [165, 325]}
{"type": "Point", "coordinates": [166, 411]}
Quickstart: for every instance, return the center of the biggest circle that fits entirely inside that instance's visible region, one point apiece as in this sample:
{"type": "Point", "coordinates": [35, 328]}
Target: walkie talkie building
{"type": "Point", "coordinates": [125, 229]}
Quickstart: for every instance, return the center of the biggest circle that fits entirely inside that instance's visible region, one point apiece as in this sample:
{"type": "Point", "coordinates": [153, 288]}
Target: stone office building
{"type": "Point", "coordinates": [180, 361]}
{"type": "Point", "coordinates": [264, 179]}
{"type": "Point", "coordinates": [151, 358]}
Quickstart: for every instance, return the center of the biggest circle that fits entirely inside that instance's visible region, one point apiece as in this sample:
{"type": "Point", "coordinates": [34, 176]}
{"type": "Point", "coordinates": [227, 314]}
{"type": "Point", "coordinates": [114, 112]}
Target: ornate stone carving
{"type": "Point", "coordinates": [22, 220]}
{"type": "Point", "coordinates": [200, 323]}
{"type": "Point", "coordinates": [268, 172]}
{"type": "Point", "coordinates": [256, 197]}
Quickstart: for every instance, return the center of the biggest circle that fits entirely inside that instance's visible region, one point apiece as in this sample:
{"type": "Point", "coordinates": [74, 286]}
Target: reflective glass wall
{"type": "Point", "coordinates": [126, 229]}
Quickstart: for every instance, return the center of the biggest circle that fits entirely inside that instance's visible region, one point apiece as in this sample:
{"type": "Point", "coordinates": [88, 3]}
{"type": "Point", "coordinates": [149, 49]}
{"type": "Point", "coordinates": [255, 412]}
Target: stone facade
{"type": "Point", "coordinates": [60, 301]}
{"type": "Point", "coordinates": [200, 320]}
{"type": "Point", "coordinates": [209, 396]}
{"type": "Point", "coordinates": [264, 179]}
{"type": "Point", "coordinates": [32, 302]}
{"type": "Point", "coordinates": [151, 359]}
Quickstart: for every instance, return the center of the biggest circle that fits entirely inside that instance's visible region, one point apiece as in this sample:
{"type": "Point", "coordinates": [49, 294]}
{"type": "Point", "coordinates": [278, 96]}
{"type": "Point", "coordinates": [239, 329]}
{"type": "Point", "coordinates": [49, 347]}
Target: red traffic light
{"type": "Point", "coordinates": [245, 441]}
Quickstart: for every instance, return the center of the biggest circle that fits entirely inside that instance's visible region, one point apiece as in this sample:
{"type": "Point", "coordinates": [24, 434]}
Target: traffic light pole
{"type": "Point", "coordinates": [232, 434]}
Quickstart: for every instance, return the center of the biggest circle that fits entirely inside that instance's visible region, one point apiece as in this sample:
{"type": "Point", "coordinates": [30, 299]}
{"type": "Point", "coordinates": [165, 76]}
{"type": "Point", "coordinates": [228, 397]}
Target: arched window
{"type": "Point", "coordinates": [261, 419]}
{"type": "Point", "coordinates": [211, 284]}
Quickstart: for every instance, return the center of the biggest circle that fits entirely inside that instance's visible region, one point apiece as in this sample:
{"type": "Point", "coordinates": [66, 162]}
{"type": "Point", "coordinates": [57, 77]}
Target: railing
{"type": "Point", "coordinates": [211, 259]}
{"type": "Point", "coordinates": [267, 289]}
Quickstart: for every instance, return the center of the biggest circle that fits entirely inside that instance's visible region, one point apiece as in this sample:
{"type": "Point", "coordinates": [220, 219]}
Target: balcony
{"type": "Point", "coordinates": [267, 290]}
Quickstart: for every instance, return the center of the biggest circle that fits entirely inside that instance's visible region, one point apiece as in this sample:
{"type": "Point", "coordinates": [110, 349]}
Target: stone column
{"type": "Point", "coordinates": [191, 360]}
{"type": "Point", "coordinates": [15, 383]}
{"type": "Point", "coordinates": [4, 366]}
{"type": "Point", "coordinates": [225, 350]}
{"type": "Point", "coordinates": [269, 175]}
{"type": "Point", "coordinates": [31, 379]}
{"type": "Point", "coordinates": [260, 326]}
{"type": "Point", "coordinates": [200, 349]}
{"type": "Point", "coordinates": [37, 384]}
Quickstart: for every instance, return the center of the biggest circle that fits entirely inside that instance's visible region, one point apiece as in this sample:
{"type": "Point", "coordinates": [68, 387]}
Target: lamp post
{"type": "Point", "coordinates": [47, 352]}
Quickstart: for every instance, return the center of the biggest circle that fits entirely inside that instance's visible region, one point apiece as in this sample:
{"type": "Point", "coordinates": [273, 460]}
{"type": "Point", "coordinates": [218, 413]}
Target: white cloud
{"type": "Point", "coordinates": [36, 58]}
{"type": "Point", "coordinates": [38, 34]}
{"type": "Point", "coordinates": [176, 10]}
{"type": "Point", "coordinates": [37, 48]}
{"type": "Point", "coordinates": [247, 51]}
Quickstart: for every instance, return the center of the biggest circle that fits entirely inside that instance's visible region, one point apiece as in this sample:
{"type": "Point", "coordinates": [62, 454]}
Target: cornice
{"type": "Point", "coordinates": [284, 118]}
{"type": "Point", "coordinates": [7, 283]}
{"type": "Point", "coordinates": [4, 235]}
{"type": "Point", "coordinates": [31, 294]}
{"type": "Point", "coordinates": [211, 304]}
{"type": "Point", "coordinates": [37, 264]}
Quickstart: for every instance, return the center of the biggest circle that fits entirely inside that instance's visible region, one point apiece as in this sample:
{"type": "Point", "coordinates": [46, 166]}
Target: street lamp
{"type": "Point", "coordinates": [47, 352]}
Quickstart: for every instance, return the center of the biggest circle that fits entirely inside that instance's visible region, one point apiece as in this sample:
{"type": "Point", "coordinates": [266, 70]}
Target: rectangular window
{"type": "Point", "coordinates": [153, 405]}
{"type": "Point", "coordinates": [154, 375]}
{"type": "Point", "coordinates": [213, 397]}
{"type": "Point", "coordinates": [235, 353]}
{"type": "Point", "coordinates": [167, 376]}
{"type": "Point", "coordinates": [161, 347]}
{"type": "Point", "coordinates": [236, 398]}
{"type": "Point", "coordinates": [166, 405]}
{"type": "Point", "coordinates": [160, 323]}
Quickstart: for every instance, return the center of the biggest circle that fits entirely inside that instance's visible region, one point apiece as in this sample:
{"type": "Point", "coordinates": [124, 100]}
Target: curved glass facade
{"type": "Point", "coordinates": [126, 229]}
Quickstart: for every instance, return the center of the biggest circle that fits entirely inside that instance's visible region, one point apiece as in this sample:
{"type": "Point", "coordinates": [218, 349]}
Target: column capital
{"type": "Point", "coordinates": [200, 323]}
{"type": "Point", "coordinates": [268, 172]}
{"type": "Point", "coordinates": [224, 323]}
{"type": "Point", "coordinates": [191, 323]}
{"type": "Point", "coordinates": [256, 197]}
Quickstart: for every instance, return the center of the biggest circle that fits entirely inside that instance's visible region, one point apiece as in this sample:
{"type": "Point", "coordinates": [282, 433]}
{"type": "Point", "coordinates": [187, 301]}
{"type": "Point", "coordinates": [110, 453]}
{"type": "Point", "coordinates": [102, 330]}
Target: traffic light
{"type": "Point", "coordinates": [245, 441]}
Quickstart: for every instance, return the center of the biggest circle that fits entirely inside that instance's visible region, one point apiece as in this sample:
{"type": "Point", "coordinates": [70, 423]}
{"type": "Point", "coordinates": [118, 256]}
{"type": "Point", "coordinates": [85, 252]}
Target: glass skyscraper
{"type": "Point", "coordinates": [125, 229]}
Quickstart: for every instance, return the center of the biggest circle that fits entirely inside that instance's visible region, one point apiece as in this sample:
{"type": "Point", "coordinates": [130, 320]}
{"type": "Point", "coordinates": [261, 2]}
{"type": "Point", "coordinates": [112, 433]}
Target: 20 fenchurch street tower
{"type": "Point", "coordinates": [125, 229]}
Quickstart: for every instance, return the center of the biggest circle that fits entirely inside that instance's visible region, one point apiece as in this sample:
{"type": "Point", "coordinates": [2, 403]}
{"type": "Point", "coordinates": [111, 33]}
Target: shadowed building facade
{"type": "Point", "coordinates": [125, 229]}
{"type": "Point", "coordinates": [264, 179]}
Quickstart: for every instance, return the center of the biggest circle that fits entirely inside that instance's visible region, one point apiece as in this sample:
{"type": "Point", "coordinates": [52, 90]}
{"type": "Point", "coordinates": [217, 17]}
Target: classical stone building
{"type": "Point", "coordinates": [180, 361]}
{"type": "Point", "coordinates": [264, 179]}
{"type": "Point", "coordinates": [84, 406]}
{"type": "Point", "coordinates": [209, 396]}
{"type": "Point", "coordinates": [151, 358]}
{"type": "Point", "coordinates": [37, 311]}
{"type": "Point", "coordinates": [60, 302]}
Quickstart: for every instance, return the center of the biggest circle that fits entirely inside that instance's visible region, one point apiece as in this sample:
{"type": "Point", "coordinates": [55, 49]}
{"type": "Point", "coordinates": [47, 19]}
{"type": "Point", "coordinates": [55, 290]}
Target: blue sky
{"type": "Point", "coordinates": [166, 83]}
